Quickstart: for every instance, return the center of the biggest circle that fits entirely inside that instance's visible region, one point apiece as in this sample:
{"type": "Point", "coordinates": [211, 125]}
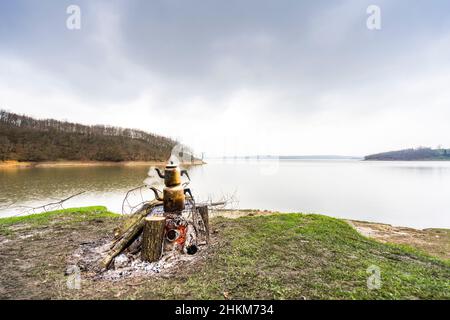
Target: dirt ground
{"type": "Point", "coordinates": [33, 260]}
{"type": "Point", "coordinates": [433, 241]}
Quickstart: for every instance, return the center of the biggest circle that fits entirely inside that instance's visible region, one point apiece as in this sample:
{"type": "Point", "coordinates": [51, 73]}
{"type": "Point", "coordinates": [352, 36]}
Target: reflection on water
{"type": "Point", "coordinates": [36, 186]}
{"type": "Point", "coordinates": [402, 193]}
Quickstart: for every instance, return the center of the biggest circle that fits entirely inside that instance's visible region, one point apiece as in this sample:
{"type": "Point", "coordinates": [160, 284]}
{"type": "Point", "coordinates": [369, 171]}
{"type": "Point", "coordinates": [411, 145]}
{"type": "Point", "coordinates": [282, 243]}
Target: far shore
{"type": "Point", "coordinates": [54, 164]}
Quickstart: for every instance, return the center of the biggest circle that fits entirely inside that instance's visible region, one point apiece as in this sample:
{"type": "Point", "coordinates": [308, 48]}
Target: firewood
{"type": "Point", "coordinates": [127, 221]}
{"type": "Point", "coordinates": [153, 237]}
{"type": "Point", "coordinates": [129, 235]}
{"type": "Point", "coordinates": [123, 243]}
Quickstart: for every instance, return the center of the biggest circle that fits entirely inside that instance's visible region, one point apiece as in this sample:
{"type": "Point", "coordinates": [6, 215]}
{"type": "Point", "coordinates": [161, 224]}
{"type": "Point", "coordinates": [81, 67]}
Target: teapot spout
{"type": "Point", "coordinates": [184, 172]}
{"type": "Point", "coordinates": [157, 194]}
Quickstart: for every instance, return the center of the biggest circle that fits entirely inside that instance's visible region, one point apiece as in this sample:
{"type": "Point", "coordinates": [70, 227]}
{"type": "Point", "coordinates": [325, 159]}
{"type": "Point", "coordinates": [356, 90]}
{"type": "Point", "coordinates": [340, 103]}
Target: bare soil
{"type": "Point", "coordinates": [433, 241]}
{"type": "Point", "coordinates": [34, 261]}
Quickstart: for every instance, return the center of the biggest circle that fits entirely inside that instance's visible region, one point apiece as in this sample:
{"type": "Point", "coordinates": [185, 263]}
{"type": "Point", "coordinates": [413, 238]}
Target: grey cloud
{"type": "Point", "coordinates": [178, 49]}
{"type": "Point", "coordinates": [286, 44]}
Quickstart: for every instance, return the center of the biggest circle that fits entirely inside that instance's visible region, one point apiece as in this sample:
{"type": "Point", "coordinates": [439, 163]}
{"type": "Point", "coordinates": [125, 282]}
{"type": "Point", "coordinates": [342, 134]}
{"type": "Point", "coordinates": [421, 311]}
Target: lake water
{"type": "Point", "coordinates": [415, 194]}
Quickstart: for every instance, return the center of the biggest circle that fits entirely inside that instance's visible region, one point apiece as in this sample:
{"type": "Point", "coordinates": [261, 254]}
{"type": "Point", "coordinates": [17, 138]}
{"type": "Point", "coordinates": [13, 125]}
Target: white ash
{"type": "Point", "coordinates": [121, 261]}
{"type": "Point", "coordinates": [126, 265]}
{"type": "Point", "coordinates": [134, 266]}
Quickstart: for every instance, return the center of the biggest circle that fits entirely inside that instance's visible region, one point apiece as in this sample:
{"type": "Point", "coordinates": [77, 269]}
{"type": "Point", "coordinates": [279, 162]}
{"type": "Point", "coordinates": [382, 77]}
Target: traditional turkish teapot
{"type": "Point", "coordinates": [174, 192]}
{"type": "Point", "coordinates": [172, 175]}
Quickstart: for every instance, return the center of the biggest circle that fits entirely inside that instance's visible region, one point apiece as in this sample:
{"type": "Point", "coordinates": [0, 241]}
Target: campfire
{"type": "Point", "coordinates": [170, 224]}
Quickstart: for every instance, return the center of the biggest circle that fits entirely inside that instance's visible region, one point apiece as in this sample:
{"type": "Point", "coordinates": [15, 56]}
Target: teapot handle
{"type": "Point", "coordinates": [159, 173]}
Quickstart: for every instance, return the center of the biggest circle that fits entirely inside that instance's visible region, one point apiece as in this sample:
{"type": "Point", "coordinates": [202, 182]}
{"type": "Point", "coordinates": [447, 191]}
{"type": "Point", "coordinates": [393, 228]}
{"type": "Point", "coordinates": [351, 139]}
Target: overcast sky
{"type": "Point", "coordinates": [236, 76]}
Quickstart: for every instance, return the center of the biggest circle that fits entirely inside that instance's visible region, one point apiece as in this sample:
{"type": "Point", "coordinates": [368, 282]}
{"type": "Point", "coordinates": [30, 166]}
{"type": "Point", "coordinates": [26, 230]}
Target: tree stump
{"type": "Point", "coordinates": [203, 210]}
{"type": "Point", "coordinates": [153, 238]}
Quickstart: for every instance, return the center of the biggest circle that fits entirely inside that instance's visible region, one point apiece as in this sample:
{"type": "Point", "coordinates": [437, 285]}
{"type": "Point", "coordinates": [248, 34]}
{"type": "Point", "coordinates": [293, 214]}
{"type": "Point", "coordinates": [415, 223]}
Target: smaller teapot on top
{"type": "Point", "coordinates": [172, 175]}
{"type": "Point", "coordinates": [173, 192]}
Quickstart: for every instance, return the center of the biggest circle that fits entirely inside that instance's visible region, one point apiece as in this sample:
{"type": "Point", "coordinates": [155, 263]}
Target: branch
{"type": "Point", "coordinates": [55, 204]}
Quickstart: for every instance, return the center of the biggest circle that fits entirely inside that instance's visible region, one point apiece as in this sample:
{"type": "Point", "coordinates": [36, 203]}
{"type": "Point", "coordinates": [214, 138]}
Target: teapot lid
{"type": "Point", "coordinates": [171, 165]}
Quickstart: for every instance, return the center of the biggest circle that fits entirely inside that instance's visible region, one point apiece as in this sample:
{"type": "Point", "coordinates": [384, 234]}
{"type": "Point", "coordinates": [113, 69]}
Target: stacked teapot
{"type": "Point", "coordinates": [174, 193]}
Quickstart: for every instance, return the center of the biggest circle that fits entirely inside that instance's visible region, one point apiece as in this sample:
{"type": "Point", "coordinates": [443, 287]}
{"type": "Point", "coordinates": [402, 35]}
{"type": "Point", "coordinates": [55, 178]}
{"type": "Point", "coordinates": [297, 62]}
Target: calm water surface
{"type": "Point", "coordinates": [415, 194]}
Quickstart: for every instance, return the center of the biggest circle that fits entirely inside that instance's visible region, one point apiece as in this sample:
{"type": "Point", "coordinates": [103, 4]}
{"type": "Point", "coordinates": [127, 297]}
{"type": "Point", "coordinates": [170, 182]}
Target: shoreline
{"type": "Point", "coordinates": [9, 164]}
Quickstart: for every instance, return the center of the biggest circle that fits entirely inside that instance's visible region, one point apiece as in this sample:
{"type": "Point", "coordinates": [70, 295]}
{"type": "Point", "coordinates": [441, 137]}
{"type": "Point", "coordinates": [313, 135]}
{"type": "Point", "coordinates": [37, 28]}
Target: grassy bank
{"type": "Point", "coordinates": [284, 256]}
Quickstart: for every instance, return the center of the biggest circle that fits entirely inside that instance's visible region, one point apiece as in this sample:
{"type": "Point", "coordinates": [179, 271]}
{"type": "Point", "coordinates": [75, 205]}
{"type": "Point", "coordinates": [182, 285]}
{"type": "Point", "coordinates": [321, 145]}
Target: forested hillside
{"type": "Point", "coordinates": [412, 155]}
{"type": "Point", "coordinates": [24, 138]}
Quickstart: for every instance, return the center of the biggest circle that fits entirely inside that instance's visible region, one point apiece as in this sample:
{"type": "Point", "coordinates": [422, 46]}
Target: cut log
{"type": "Point", "coordinates": [153, 237]}
{"type": "Point", "coordinates": [128, 221]}
{"type": "Point", "coordinates": [203, 210]}
{"type": "Point", "coordinates": [123, 243]}
{"type": "Point", "coordinates": [125, 239]}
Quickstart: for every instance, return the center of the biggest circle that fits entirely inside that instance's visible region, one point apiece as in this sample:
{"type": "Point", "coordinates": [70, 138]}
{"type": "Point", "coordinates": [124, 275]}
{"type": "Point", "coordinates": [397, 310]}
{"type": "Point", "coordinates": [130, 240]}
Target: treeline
{"type": "Point", "coordinates": [412, 155]}
{"type": "Point", "coordinates": [24, 138]}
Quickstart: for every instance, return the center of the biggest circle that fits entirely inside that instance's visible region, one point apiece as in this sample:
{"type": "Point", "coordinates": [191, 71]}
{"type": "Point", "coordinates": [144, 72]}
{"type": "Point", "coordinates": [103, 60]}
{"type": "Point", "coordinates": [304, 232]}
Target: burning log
{"type": "Point", "coordinates": [153, 237]}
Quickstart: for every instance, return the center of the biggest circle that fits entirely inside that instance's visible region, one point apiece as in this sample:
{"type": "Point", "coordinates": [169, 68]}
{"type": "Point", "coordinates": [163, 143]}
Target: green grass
{"type": "Point", "coordinates": [281, 256]}
{"type": "Point", "coordinates": [71, 215]}
{"type": "Point", "coordinates": [291, 256]}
